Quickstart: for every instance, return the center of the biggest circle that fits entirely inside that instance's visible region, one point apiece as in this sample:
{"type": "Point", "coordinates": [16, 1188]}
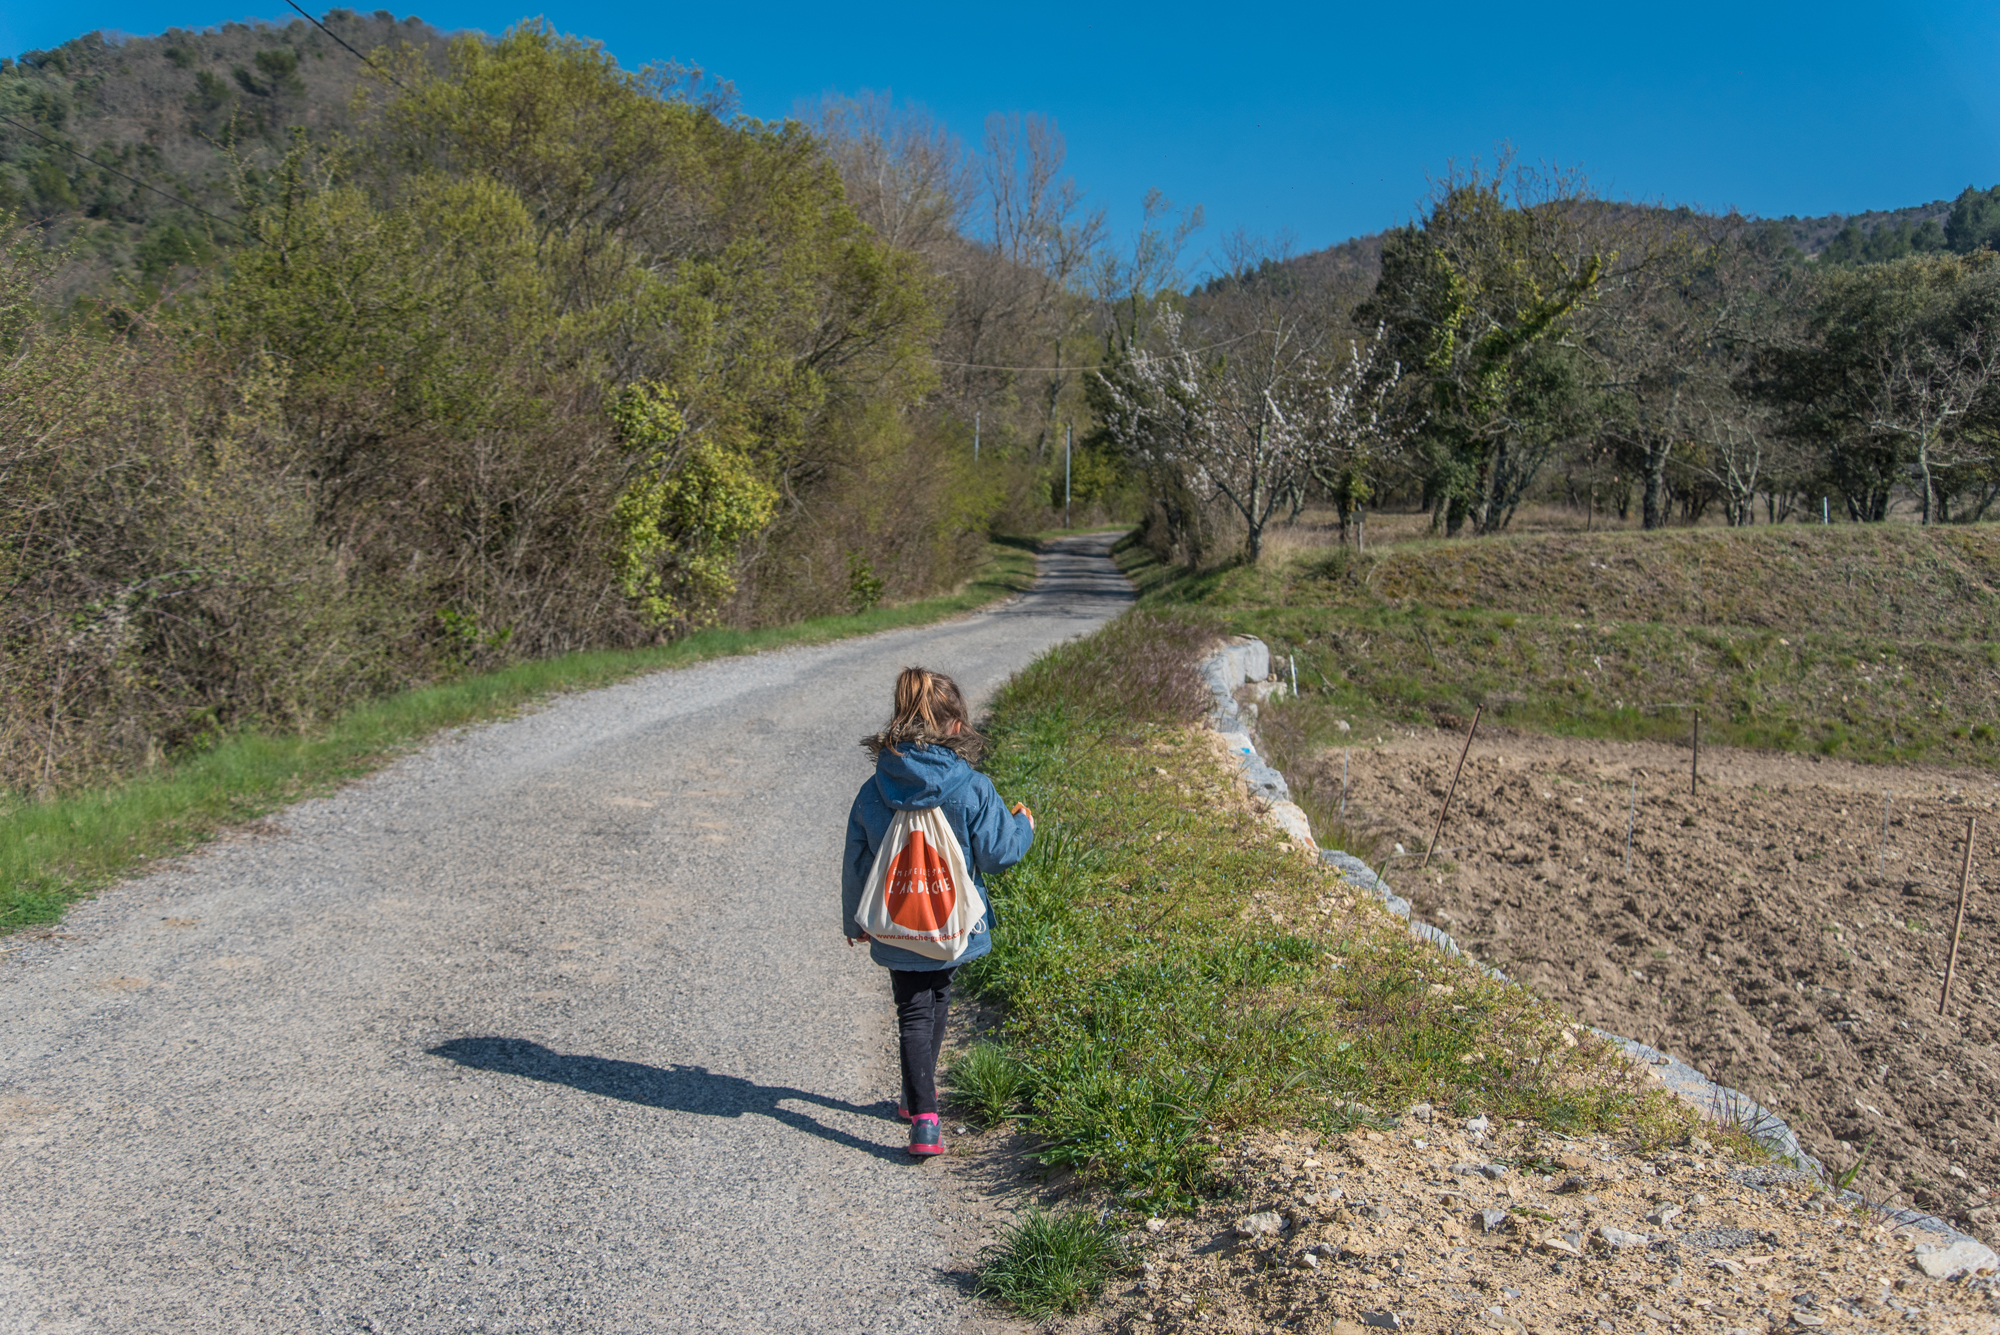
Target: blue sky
{"type": "Point", "coordinates": [1326, 121]}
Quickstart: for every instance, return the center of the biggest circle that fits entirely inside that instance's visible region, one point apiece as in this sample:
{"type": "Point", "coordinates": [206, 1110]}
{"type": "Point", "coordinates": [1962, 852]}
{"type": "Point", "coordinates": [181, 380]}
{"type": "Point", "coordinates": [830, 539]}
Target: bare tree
{"type": "Point", "coordinates": [1127, 288]}
{"type": "Point", "coordinates": [1924, 392]}
{"type": "Point", "coordinates": [906, 175]}
{"type": "Point", "coordinates": [1673, 337]}
{"type": "Point", "coordinates": [1040, 228]}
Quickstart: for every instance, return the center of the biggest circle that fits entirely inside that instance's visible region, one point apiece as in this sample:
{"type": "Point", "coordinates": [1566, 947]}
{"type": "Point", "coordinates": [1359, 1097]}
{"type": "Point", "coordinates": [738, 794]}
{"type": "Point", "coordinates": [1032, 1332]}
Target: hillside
{"type": "Point", "coordinates": [1870, 642]}
{"type": "Point", "coordinates": [1878, 234]}
{"type": "Point", "coordinates": [195, 115]}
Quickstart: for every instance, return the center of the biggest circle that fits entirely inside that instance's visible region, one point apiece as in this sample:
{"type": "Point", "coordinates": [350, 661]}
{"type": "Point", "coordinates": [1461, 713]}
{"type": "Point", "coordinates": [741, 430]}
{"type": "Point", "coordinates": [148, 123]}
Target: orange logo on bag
{"type": "Point", "coordinates": [920, 892]}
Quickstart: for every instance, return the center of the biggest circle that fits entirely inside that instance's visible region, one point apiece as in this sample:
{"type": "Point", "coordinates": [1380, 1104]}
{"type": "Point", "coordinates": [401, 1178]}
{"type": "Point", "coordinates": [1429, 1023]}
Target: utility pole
{"type": "Point", "coordinates": [975, 438]}
{"type": "Point", "coordinates": [1069, 430]}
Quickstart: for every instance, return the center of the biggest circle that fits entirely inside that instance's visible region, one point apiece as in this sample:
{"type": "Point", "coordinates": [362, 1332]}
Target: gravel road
{"type": "Point", "coordinates": [547, 1028]}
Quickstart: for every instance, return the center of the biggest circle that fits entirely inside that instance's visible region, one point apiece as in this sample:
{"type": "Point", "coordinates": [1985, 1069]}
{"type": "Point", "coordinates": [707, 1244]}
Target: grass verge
{"type": "Point", "coordinates": [52, 853]}
{"type": "Point", "coordinates": [1172, 974]}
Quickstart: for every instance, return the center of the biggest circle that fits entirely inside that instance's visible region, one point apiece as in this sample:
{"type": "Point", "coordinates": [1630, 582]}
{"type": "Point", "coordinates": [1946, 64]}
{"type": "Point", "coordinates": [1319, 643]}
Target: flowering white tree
{"type": "Point", "coordinates": [1211, 416]}
{"type": "Point", "coordinates": [1352, 438]}
{"type": "Point", "coordinates": [1249, 422]}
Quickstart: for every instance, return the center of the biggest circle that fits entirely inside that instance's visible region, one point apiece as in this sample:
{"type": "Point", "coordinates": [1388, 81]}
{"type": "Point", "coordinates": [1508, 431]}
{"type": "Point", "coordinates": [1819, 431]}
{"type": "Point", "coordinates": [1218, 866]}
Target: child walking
{"type": "Point", "coordinates": [923, 760]}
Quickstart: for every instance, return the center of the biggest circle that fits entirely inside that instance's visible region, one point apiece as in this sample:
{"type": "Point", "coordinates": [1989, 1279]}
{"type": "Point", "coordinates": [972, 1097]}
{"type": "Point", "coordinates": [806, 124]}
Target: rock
{"type": "Point", "coordinates": [1269, 786]}
{"type": "Point", "coordinates": [1619, 1240]}
{"type": "Point", "coordinates": [1491, 1220]}
{"type": "Point", "coordinates": [1400, 851]}
{"type": "Point", "coordinates": [1663, 1214]}
{"type": "Point", "coordinates": [1254, 658]}
{"type": "Point", "coordinates": [1964, 1257]}
{"type": "Point", "coordinates": [1290, 818]}
{"type": "Point", "coordinates": [1479, 1125]}
{"type": "Point", "coordinates": [1492, 1172]}
{"type": "Point", "coordinates": [1382, 1320]}
{"type": "Point", "coordinates": [1423, 1112]}
{"type": "Point", "coordinates": [1308, 1261]}
{"type": "Point", "coordinates": [1340, 725]}
{"type": "Point", "coordinates": [1155, 1224]}
{"type": "Point", "coordinates": [1572, 1184]}
{"type": "Point", "coordinates": [1556, 1243]}
{"type": "Point", "coordinates": [1263, 1224]}
{"type": "Point", "coordinates": [1239, 744]}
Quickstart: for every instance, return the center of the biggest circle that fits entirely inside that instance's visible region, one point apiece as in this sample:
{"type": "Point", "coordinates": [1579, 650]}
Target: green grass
{"type": "Point", "coordinates": [1171, 974]}
{"type": "Point", "coordinates": [1874, 643]}
{"type": "Point", "coordinates": [53, 852]}
{"type": "Point", "coordinates": [1049, 1264]}
{"type": "Point", "coordinates": [987, 1082]}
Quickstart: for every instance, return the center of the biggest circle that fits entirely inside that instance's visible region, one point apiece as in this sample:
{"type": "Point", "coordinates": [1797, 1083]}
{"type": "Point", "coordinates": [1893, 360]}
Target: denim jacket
{"type": "Point", "coordinates": [992, 837]}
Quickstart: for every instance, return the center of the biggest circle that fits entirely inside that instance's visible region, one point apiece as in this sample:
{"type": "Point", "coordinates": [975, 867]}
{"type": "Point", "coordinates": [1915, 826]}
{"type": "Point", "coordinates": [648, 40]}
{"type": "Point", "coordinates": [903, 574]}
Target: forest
{"type": "Point", "coordinates": [344, 356]}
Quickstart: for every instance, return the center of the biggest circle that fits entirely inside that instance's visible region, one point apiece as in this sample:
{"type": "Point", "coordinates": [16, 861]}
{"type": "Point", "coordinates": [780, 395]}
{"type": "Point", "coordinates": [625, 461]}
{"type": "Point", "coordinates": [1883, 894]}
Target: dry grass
{"type": "Point", "coordinates": [1874, 642]}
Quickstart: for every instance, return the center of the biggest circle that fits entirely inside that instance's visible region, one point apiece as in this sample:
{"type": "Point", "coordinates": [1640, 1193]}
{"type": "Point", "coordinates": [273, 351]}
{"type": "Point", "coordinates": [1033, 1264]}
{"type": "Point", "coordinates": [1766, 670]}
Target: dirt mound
{"type": "Point", "coordinates": [1766, 931]}
{"type": "Point", "coordinates": [1438, 1226]}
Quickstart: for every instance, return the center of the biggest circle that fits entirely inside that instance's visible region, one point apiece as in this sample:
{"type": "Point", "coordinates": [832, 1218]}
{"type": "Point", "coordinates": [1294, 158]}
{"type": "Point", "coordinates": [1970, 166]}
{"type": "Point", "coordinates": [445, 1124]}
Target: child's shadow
{"type": "Point", "coordinates": [689, 1089]}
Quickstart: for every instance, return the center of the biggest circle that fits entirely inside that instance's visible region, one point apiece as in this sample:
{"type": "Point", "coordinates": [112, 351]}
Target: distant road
{"type": "Point", "coordinates": [548, 1028]}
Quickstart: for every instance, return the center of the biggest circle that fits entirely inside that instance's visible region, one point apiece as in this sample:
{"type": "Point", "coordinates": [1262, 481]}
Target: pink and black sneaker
{"type": "Point", "coordinates": [925, 1138]}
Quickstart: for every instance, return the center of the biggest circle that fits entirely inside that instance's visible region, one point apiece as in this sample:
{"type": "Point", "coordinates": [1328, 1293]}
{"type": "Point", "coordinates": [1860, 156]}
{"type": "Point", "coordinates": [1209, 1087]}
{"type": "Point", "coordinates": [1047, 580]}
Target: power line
{"type": "Point", "coordinates": [351, 51]}
{"type": "Point", "coordinates": [57, 143]}
{"type": "Point", "coordinates": [1136, 357]}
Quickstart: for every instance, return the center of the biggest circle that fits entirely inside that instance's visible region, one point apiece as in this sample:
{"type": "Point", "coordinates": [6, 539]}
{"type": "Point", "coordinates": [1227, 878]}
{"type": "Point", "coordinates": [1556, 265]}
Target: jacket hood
{"type": "Point", "coordinates": [920, 777]}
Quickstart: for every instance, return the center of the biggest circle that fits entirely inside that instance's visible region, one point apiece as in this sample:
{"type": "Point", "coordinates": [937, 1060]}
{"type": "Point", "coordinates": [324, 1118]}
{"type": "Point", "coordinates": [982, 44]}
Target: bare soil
{"type": "Point", "coordinates": [1767, 931]}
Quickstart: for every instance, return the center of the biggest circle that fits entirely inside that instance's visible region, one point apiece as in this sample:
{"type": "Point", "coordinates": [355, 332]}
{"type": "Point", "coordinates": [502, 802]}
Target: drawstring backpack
{"type": "Point", "coordinates": [920, 894]}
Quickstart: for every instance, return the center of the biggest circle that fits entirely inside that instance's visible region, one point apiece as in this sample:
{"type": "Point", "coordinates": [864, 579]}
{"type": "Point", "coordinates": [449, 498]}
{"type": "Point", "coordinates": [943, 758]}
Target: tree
{"type": "Point", "coordinates": [1475, 303]}
{"type": "Point", "coordinates": [1891, 374]}
{"type": "Point", "coordinates": [1925, 393]}
{"type": "Point", "coordinates": [1233, 418]}
{"type": "Point", "coordinates": [1353, 437]}
{"type": "Point", "coordinates": [1671, 338]}
{"type": "Point", "coordinates": [906, 176]}
{"type": "Point", "coordinates": [1974, 221]}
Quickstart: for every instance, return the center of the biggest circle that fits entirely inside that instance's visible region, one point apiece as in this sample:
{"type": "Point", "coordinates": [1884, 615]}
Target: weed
{"type": "Point", "coordinates": [1049, 1264]}
{"type": "Point", "coordinates": [987, 1080]}
{"type": "Point", "coordinates": [1846, 1179]}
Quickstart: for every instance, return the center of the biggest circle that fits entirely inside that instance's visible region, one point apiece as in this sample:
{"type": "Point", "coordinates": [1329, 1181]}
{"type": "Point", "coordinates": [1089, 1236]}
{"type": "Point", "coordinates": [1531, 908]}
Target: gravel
{"type": "Point", "coordinates": [544, 1028]}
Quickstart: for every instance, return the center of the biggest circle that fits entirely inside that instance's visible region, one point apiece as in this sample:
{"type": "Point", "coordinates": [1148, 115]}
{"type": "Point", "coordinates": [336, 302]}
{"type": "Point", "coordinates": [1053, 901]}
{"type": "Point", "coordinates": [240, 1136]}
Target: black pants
{"type": "Point", "coordinates": [923, 1001]}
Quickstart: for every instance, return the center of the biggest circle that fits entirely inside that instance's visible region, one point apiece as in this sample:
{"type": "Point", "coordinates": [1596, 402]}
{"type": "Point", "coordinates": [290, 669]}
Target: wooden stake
{"type": "Point", "coordinates": [1631, 819]}
{"type": "Point", "coordinates": [1453, 789]}
{"type": "Point", "coordinates": [1694, 770]}
{"type": "Point", "coordinates": [1882, 852]}
{"type": "Point", "coordinates": [1958, 925]}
